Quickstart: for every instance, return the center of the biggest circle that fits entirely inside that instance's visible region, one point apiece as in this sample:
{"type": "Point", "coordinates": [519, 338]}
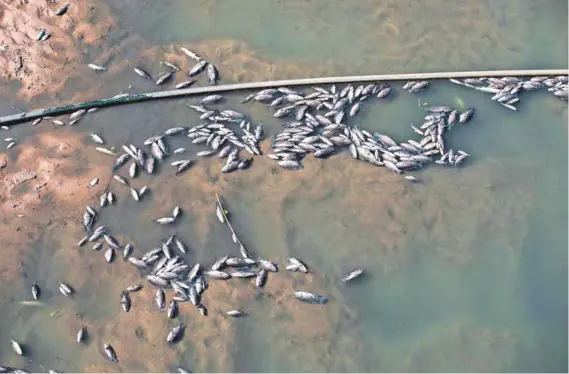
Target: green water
{"type": "Point", "coordinates": [467, 271]}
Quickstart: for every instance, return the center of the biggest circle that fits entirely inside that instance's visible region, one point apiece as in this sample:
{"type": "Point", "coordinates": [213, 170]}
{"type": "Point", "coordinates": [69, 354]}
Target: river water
{"type": "Point", "coordinates": [466, 271]}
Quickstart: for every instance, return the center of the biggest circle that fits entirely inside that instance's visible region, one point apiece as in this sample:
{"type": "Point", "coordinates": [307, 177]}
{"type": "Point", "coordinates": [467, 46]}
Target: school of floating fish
{"type": "Point", "coordinates": [320, 127]}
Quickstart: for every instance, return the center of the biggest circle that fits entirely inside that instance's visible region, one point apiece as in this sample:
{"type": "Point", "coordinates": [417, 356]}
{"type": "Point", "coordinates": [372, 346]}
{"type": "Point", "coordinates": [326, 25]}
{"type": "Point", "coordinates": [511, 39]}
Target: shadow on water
{"type": "Point", "coordinates": [466, 271]}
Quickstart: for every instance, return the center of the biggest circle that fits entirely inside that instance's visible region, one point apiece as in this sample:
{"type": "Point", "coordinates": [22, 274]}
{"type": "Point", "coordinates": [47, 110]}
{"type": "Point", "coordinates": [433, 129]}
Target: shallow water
{"type": "Point", "coordinates": [466, 271]}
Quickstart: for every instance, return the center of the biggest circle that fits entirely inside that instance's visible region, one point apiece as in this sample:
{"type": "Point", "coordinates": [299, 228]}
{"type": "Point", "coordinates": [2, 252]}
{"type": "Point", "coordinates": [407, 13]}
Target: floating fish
{"type": "Point", "coordinates": [352, 275]}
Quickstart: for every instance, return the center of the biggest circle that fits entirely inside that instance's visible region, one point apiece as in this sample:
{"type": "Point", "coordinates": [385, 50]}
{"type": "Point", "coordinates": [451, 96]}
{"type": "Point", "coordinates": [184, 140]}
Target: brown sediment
{"type": "Point", "coordinates": [43, 187]}
{"type": "Point", "coordinates": [474, 348]}
{"type": "Point", "coordinates": [43, 67]}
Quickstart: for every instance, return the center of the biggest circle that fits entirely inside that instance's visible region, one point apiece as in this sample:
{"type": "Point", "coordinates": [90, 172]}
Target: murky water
{"type": "Point", "coordinates": [467, 271]}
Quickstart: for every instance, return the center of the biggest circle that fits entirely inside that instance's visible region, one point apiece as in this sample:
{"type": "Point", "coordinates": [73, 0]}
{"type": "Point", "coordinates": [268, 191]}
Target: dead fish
{"type": "Point", "coordinates": [165, 220]}
{"type": "Point", "coordinates": [40, 35]}
{"type": "Point", "coordinates": [244, 274]}
{"type": "Point", "coordinates": [81, 334]}
{"type": "Point", "coordinates": [155, 280]}
{"type": "Point", "coordinates": [150, 164]}
{"type": "Point", "coordinates": [160, 299]}
{"type": "Point", "coordinates": [110, 352]}
{"type": "Point", "coordinates": [183, 166]}
{"type": "Point", "coordinates": [125, 301]}
{"type": "Point", "coordinates": [239, 261]}
{"type": "Point", "coordinates": [179, 151]}
{"type": "Point", "coordinates": [134, 288]}
{"type": "Point", "coordinates": [96, 138]}
{"type": "Point", "coordinates": [138, 263]}
{"type": "Point", "coordinates": [411, 178]}
{"type": "Point", "coordinates": [267, 265]}
{"type": "Point", "coordinates": [37, 121]}
{"type": "Point", "coordinates": [93, 182]}
{"type": "Point", "coordinates": [10, 145]}
{"type": "Point", "coordinates": [216, 274]}
{"type": "Point", "coordinates": [211, 99]}
{"type": "Point", "coordinates": [309, 297]}
{"type": "Point", "coordinates": [176, 212]}
{"type": "Point", "coordinates": [61, 11]}
{"type": "Point", "coordinates": [120, 162]}
{"type": "Point", "coordinates": [77, 114]}
{"type": "Point", "coordinates": [197, 68]}
{"type": "Point", "coordinates": [110, 197]}
{"type": "Point", "coordinates": [235, 313]}
{"type": "Point", "coordinates": [98, 246]}
{"type": "Point", "coordinates": [220, 263]}
{"type": "Point", "coordinates": [134, 194]}
{"type": "Point", "coordinates": [466, 115]}
{"type": "Point", "coordinates": [120, 179]}
{"type": "Point", "coordinates": [65, 289]}
{"type": "Point", "coordinates": [106, 151]}
{"type": "Point", "coordinates": [212, 74]}
{"type": "Point", "coordinates": [36, 292]}
{"type": "Point", "coordinates": [172, 309]}
{"type": "Point", "coordinates": [57, 122]}
{"type": "Point", "coordinates": [194, 272]}
{"type": "Point", "coordinates": [301, 266]}
{"type": "Point", "coordinates": [355, 109]}
{"type": "Point", "coordinates": [97, 67]}
{"type": "Point", "coordinates": [176, 333]}
{"type": "Point", "coordinates": [185, 84]}
{"type": "Point", "coordinates": [164, 77]}
{"type": "Point", "coordinates": [142, 191]}
{"type": "Point", "coordinates": [289, 164]}
{"type": "Point", "coordinates": [109, 254]}
{"type": "Point", "coordinates": [132, 170]}
{"type": "Point", "coordinates": [142, 73]}
{"type": "Point", "coordinates": [170, 65]}
{"type": "Point", "coordinates": [17, 348]}
{"type": "Point", "coordinates": [261, 278]}
{"type": "Point", "coordinates": [127, 251]}
{"type": "Point", "coordinates": [352, 275]}
{"type": "Point", "coordinates": [191, 54]}
{"type": "Point", "coordinates": [181, 247]}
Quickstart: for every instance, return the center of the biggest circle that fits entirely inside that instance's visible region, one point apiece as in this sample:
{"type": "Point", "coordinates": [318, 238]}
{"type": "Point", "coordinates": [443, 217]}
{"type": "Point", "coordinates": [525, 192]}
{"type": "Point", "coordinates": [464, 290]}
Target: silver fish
{"type": "Point", "coordinates": [261, 278]}
{"type": "Point", "coordinates": [212, 74]}
{"type": "Point", "coordinates": [127, 251]}
{"type": "Point", "coordinates": [165, 220]}
{"type": "Point", "coordinates": [120, 162]}
{"type": "Point", "coordinates": [352, 275]}
{"type": "Point", "coordinates": [160, 299]}
{"type": "Point", "coordinates": [220, 263]}
{"type": "Point", "coordinates": [81, 334]}
{"type": "Point", "coordinates": [142, 73]}
{"type": "Point", "coordinates": [185, 84]}
{"type": "Point", "coordinates": [309, 297]}
{"type": "Point", "coordinates": [96, 138]}
{"type": "Point", "coordinates": [125, 301]}
{"type": "Point", "coordinates": [244, 274]}
{"type": "Point", "coordinates": [134, 288]}
{"type": "Point", "coordinates": [267, 265]}
{"type": "Point", "coordinates": [197, 68]}
{"type": "Point", "coordinates": [191, 54]}
{"type": "Point", "coordinates": [97, 67]}
{"type": "Point", "coordinates": [216, 274]}
{"type": "Point", "coordinates": [155, 280]}
{"type": "Point", "coordinates": [170, 65]}
{"type": "Point", "coordinates": [211, 99]}
{"type": "Point", "coordinates": [235, 313]}
{"type": "Point", "coordinates": [110, 254]}
{"type": "Point", "coordinates": [110, 352]}
{"type": "Point", "coordinates": [301, 266]}
{"type": "Point", "coordinates": [120, 179]}
{"type": "Point", "coordinates": [36, 292]}
{"type": "Point", "coordinates": [162, 78]}
{"type": "Point", "coordinates": [17, 348]}
{"type": "Point", "coordinates": [132, 170]}
{"type": "Point", "coordinates": [172, 309]}
{"type": "Point", "coordinates": [65, 289]}
{"type": "Point", "coordinates": [93, 182]}
{"type": "Point", "coordinates": [176, 333]}
{"type": "Point", "coordinates": [134, 194]}
{"type": "Point", "coordinates": [62, 10]}
{"type": "Point", "coordinates": [183, 166]}
{"type": "Point", "coordinates": [176, 212]}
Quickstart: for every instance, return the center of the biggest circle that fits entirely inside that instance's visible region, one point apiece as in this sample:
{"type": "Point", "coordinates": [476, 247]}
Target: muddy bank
{"type": "Point", "coordinates": [42, 67]}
